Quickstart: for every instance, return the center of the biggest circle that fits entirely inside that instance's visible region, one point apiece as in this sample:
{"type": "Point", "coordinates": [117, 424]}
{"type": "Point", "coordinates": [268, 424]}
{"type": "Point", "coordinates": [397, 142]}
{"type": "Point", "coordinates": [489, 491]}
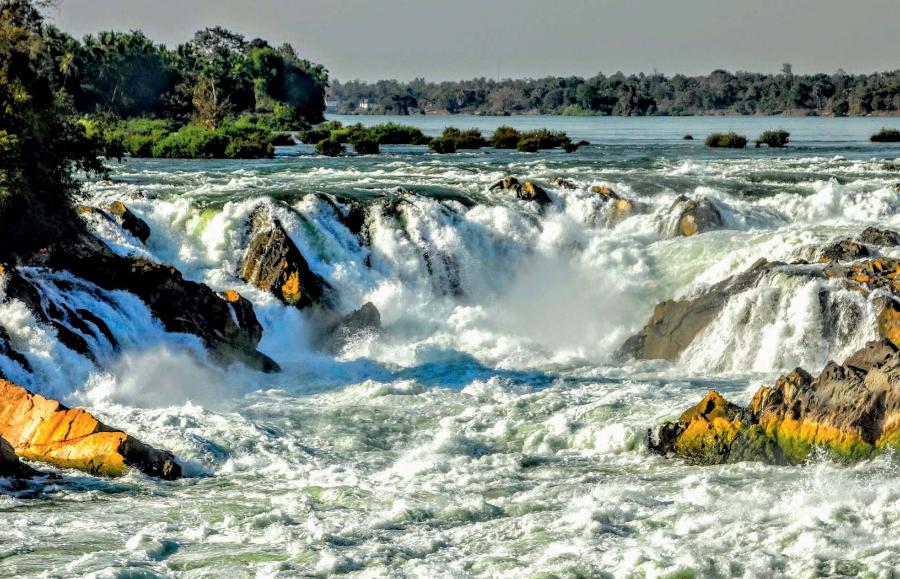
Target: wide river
{"type": "Point", "coordinates": [492, 430]}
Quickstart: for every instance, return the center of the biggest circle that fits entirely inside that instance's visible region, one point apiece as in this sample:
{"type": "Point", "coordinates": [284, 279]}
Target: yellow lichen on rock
{"type": "Point", "coordinates": [44, 430]}
{"type": "Point", "coordinates": [291, 290]}
{"type": "Point", "coordinates": [230, 296]}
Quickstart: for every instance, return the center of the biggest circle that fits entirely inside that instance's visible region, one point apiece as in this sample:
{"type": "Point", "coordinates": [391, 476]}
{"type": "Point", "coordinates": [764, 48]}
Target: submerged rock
{"type": "Point", "coordinates": [7, 351]}
{"type": "Point", "coordinates": [689, 217]}
{"type": "Point", "coordinates": [507, 184]}
{"type": "Point", "coordinates": [44, 430]}
{"type": "Point", "coordinates": [273, 263]}
{"type": "Point", "coordinates": [880, 237]}
{"type": "Point", "coordinates": [564, 184]}
{"type": "Point", "coordinates": [366, 321]}
{"type": "Point", "coordinates": [850, 410]}
{"type": "Point", "coordinates": [622, 207]}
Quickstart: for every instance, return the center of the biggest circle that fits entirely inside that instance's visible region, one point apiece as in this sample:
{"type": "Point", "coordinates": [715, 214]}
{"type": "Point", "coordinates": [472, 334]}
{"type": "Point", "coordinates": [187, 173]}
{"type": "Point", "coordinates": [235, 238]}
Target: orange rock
{"type": "Point", "coordinates": [230, 296]}
{"type": "Point", "coordinates": [44, 430]}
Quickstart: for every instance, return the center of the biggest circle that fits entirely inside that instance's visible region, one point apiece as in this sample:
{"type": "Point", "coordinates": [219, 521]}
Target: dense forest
{"type": "Point", "coordinates": [720, 92]}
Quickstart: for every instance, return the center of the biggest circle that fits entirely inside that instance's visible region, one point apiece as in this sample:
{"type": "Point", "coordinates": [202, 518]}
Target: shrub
{"type": "Point", "coordinates": [468, 139]}
{"type": "Point", "coordinates": [886, 136]}
{"type": "Point", "coordinates": [505, 137]}
{"type": "Point", "coordinates": [443, 145]}
{"type": "Point", "coordinates": [394, 134]}
{"type": "Point", "coordinates": [230, 141]}
{"type": "Point", "coordinates": [547, 139]}
{"type": "Point", "coordinates": [529, 144]}
{"type": "Point", "coordinates": [364, 144]}
{"type": "Point", "coordinates": [329, 147]}
{"type": "Point", "coordinates": [774, 139]}
{"type": "Point", "coordinates": [726, 140]}
{"type": "Point", "coordinates": [688, 138]}
{"type": "Point", "coordinates": [319, 133]}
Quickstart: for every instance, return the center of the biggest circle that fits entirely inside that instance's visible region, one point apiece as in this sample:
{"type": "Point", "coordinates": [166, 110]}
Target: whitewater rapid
{"type": "Point", "coordinates": [494, 429]}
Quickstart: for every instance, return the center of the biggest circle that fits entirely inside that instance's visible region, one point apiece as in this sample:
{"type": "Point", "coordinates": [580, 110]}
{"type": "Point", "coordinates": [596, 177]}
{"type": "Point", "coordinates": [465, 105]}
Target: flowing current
{"type": "Point", "coordinates": [493, 430]}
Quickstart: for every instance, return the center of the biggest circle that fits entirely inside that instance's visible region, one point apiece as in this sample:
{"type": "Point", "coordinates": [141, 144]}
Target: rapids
{"type": "Point", "coordinates": [493, 430]}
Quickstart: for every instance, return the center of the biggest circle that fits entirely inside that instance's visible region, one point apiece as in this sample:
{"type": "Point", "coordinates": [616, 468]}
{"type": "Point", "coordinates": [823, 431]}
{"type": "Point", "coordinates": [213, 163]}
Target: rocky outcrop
{"type": "Point", "coordinates": [44, 430]}
{"type": "Point", "coordinates": [10, 465]}
{"type": "Point", "coordinates": [564, 184]}
{"type": "Point", "coordinates": [7, 351]}
{"type": "Point", "coordinates": [527, 191]}
{"type": "Point", "coordinates": [244, 314]}
{"type": "Point", "coordinates": [879, 237]}
{"type": "Point", "coordinates": [507, 184]}
{"type": "Point", "coordinates": [690, 217]}
{"type": "Point", "coordinates": [273, 263]}
{"type": "Point", "coordinates": [675, 323]}
{"type": "Point", "coordinates": [850, 410]}
{"type": "Point", "coordinates": [181, 305]}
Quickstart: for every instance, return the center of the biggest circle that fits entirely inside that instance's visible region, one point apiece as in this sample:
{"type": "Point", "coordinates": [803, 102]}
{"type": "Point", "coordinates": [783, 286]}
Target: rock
{"type": "Point", "coordinates": [243, 312]}
{"type": "Point", "coordinates": [690, 217]}
{"type": "Point", "coordinates": [507, 184]}
{"type": "Point", "coordinates": [116, 212]}
{"type": "Point", "coordinates": [181, 305]}
{"type": "Point", "coordinates": [530, 191]}
{"type": "Point", "coordinates": [675, 324]}
{"type": "Point", "coordinates": [622, 207]}
{"type": "Point", "coordinates": [880, 237]}
{"type": "Point", "coordinates": [564, 184]}
{"type": "Point", "coordinates": [365, 321]}
{"type": "Point", "coordinates": [273, 263]}
{"type": "Point", "coordinates": [10, 465]}
{"type": "Point", "coordinates": [850, 410]}
{"type": "Point", "coordinates": [44, 430]}
{"type": "Point", "coordinates": [844, 250]}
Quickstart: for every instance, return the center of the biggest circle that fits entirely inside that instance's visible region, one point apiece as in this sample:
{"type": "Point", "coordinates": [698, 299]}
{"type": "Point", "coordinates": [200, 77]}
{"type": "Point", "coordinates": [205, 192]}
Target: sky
{"type": "Point", "coordinates": [460, 39]}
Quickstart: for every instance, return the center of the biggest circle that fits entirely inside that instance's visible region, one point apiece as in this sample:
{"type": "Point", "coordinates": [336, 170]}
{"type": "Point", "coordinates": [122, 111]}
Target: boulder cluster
{"type": "Point", "coordinates": [851, 410]}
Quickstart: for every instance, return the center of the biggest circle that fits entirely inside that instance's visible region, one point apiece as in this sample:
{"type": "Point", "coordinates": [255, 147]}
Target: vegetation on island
{"type": "Point", "coordinates": [774, 139]}
{"type": "Point", "coordinates": [720, 92]}
{"type": "Point", "coordinates": [726, 140]}
{"type": "Point", "coordinates": [886, 136]}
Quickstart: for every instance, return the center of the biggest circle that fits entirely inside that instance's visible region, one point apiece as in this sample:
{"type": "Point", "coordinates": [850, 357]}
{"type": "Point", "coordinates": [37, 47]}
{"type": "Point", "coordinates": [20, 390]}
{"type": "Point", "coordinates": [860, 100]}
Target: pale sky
{"type": "Point", "coordinates": [455, 39]}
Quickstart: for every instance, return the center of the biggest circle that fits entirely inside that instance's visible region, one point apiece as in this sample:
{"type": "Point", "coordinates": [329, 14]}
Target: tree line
{"type": "Point", "coordinates": [720, 92]}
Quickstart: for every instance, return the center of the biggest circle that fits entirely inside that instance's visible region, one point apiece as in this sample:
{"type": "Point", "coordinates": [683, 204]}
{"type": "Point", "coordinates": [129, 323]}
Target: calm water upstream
{"type": "Point", "coordinates": [492, 431]}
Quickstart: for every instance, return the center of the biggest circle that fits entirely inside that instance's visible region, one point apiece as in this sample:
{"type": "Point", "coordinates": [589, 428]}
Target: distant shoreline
{"type": "Point", "coordinates": [793, 114]}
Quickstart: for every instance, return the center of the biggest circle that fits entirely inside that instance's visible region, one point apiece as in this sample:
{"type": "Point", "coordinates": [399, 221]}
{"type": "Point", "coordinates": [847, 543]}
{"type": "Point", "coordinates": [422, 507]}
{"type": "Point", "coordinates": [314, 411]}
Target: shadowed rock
{"type": "Point", "coordinates": [117, 212]}
{"type": "Point", "coordinates": [622, 207]}
{"type": "Point", "coordinates": [844, 250]}
{"type": "Point", "coordinates": [273, 263]}
{"type": "Point", "coordinates": [10, 465]}
{"type": "Point", "coordinates": [850, 410]}
{"type": "Point", "coordinates": [44, 430]}
{"type": "Point", "coordinates": [879, 237]}
{"type": "Point", "coordinates": [366, 321]}
{"type": "Point", "coordinates": [530, 191]}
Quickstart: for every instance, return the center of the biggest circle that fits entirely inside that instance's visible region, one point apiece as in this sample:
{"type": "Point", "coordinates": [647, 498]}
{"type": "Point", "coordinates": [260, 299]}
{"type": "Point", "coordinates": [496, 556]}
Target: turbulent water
{"type": "Point", "coordinates": [492, 430]}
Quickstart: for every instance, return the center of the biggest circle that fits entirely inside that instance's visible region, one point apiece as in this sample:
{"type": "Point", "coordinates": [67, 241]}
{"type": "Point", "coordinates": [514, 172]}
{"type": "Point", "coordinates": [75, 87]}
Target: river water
{"type": "Point", "coordinates": [492, 430]}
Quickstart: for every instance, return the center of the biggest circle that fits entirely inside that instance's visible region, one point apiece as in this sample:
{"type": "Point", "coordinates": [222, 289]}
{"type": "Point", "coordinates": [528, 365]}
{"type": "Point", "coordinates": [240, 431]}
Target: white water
{"type": "Point", "coordinates": [492, 430]}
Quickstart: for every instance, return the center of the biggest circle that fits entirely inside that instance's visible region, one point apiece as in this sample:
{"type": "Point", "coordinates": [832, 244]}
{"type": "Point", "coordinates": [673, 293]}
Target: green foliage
{"type": "Point", "coordinates": [774, 139]}
{"type": "Point", "coordinates": [135, 137]}
{"type": "Point", "coordinates": [383, 134]}
{"type": "Point", "coordinates": [886, 136]}
{"type": "Point", "coordinates": [41, 148]}
{"type": "Point", "coordinates": [529, 144]}
{"type": "Point", "coordinates": [230, 141]}
{"type": "Point", "coordinates": [394, 134]}
{"type": "Point", "coordinates": [468, 139]}
{"type": "Point", "coordinates": [505, 137]}
{"type": "Point", "coordinates": [726, 140]}
{"type": "Point", "coordinates": [364, 144]}
{"type": "Point", "coordinates": [330, 147]}
{"type": "Point", "coordinates": [443, 145]}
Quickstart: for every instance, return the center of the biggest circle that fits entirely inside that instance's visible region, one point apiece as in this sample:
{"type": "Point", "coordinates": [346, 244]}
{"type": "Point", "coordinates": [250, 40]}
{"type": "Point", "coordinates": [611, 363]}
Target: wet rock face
{"type": "Point", "coordinates": [850, 410]}
{"type": "Point", "coordinates": [622, 207]}
{"type": "Point", "coordinates": [44, 430]}
{"type": "Point", "coordinates": [10, 465]}
{"type": "Point", "coordinates": [530, 191]}
{"type": "Point", "coordinates": [273, 263]}
{"type": "Point", "coordinates": [364, 321]}
{"type": "Point", "coordinates": [879, 237]}
{"type": "Point", "coordinates": [675, 324]}
{"type": "Point", "coordinates": [507, 184]}
{"type": "Point", "coordinates": [7, 351]}
{"type": "Point", "coordinates": [690, 217]}
{"type": "Point", "coordinates": [118, 213]}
